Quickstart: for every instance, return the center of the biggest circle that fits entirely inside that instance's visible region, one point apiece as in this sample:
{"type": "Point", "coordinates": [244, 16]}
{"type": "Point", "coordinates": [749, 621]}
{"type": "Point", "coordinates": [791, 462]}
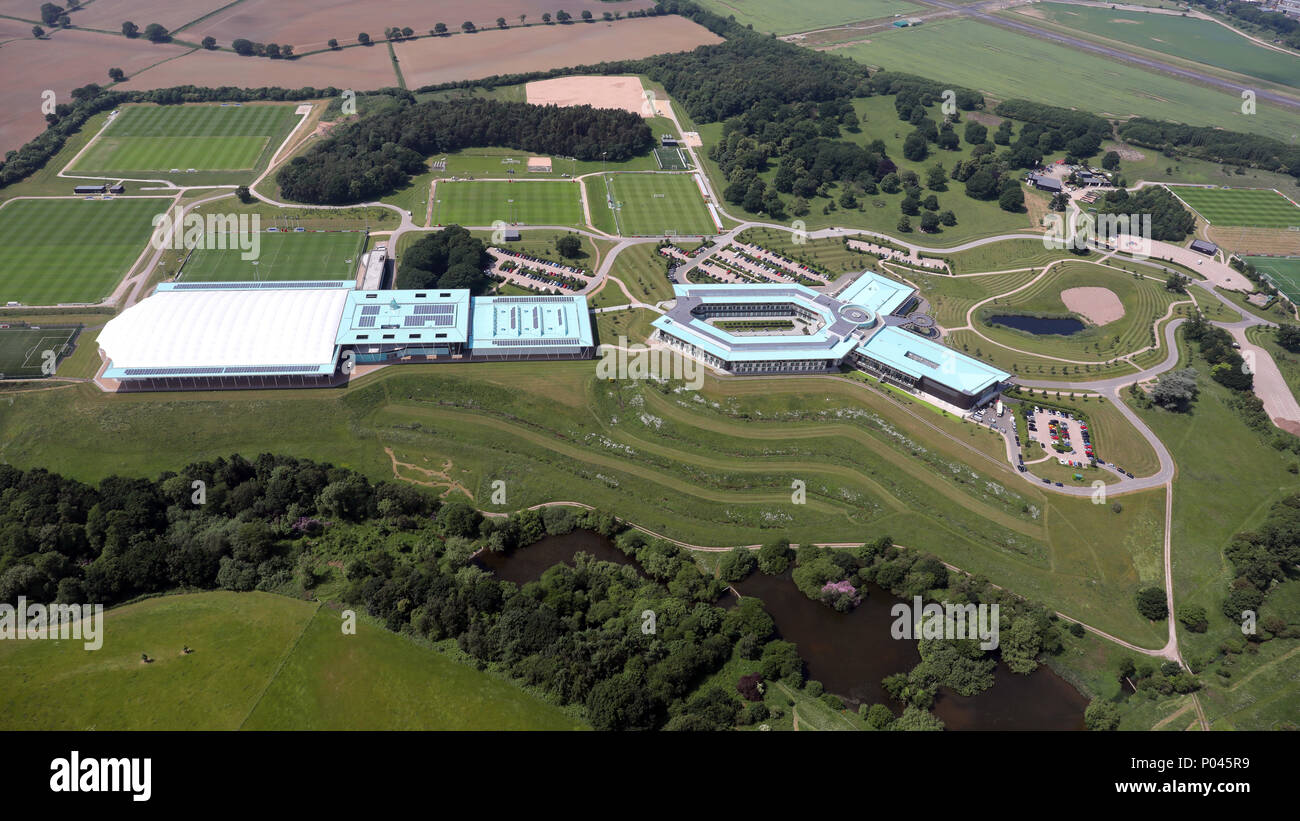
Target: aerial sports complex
{"type": "Point", "coordinates": [780, 328]}
{"type": "Point", "coordinates": [213, 335]}
{"type": "Point", "coordinates": [309, 334]}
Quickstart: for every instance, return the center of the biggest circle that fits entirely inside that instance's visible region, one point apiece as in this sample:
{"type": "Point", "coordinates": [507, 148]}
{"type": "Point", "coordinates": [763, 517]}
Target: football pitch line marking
{"type": "Point", "coordinates": [44, 345]}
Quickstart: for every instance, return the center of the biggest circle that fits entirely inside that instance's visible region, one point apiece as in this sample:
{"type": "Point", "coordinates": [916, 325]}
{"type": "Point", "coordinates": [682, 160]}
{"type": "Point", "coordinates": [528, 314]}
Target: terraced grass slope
{"type": "Point", "coordinates": [71, 250]}
{"type": "Point", "coordinates": [709, 467]}
{"type": "Point", "coordinates": [259, 661]}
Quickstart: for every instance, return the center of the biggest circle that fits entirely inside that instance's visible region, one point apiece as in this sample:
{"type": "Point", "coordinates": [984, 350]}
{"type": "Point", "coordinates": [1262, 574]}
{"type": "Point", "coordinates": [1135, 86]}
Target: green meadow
{"type": "Point", "coordinates": [484, 202]}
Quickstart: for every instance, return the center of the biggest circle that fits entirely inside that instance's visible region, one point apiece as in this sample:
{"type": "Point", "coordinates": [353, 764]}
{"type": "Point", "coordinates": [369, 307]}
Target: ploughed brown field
{"type": "Point", "coordinates": [443, 59]}
{"type": "Point", "coordinates": [309, 24]}
{"type": "Point", "coordinates": [67, 60]}
{"type": "Point", "coordinates": [110, 14]}
{"type": "Point", "coordinates": [360, 69]}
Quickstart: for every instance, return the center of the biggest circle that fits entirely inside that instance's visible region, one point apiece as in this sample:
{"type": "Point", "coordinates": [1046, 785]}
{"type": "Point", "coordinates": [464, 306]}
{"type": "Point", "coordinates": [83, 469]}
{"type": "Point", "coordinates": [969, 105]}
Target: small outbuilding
{"type": "Point", "coordinates": [1204, 246]}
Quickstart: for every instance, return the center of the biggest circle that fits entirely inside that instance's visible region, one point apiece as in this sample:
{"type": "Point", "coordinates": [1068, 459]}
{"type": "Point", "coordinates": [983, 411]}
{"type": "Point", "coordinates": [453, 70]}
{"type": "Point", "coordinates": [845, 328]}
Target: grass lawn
{"type": "Point", "coordinates": [283, 255]}
{"type": "Point", "coordinates": [258, 661]}
{"type": "Point", "coordinates": [651, 204]}
{"type": "Point", "coordinates": [1202, 41]}
{"type": "Point", "coordinates": [154, 140]}
{"type": "Point", "coordinates": [997, 61]}
{"type": "Point", "coordinates": [1248, 207]}
{"type": "Point", "coordinates": [642, 269]}
{"type": "Point", "coordinates": [483, 202]}
{"type": "Point", "coordinates": [788, 16]}
{"type": "Point", "coordinates": [71, 250]}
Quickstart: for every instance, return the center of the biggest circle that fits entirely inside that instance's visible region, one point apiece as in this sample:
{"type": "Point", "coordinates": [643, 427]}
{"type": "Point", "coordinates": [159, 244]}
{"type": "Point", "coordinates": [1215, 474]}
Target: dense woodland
{"type": "Point", "coordinates": [1215, 144]}
{"type": "Point", "coordinates": [377, 155]}
{"type": "Point", "coordinates": [450, 258]}
{"type": "Point", "coordinates": [1170, 220]}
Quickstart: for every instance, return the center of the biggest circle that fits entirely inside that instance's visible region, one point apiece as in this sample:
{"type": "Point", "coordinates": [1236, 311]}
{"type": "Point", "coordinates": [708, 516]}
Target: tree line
{"type": "Point", "coordinates": [1215, 144]}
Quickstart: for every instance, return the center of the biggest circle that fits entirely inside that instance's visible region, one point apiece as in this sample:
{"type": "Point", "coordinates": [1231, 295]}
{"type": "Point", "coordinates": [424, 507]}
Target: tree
{"type": "Point", "coordinates": [1110, 161]}
{"type": "Point", "coordinates": [905, 225]}
{"type": "Point", "coordinates": [440, 29]}
{"type": "Point", "coordinates": [916, 147]}
{"type": "Point", "coordinates": [130, 29]}
{"type": "Point", "coordinates": [1288, 336]}
{"type": "Point", "coordinates": [50, 13]}
{"type": "Point", "coordinates": [915, 719]}
{"type": "Point", "coordinates": [273, 51]}
{"type": "Point", "coordinates": [155, 33]}
{"type": "Point", "coordinates": [243, 48]}
{"type": "Point", "coordinates": [38, 32]}
{"type": "Point", "coordinates": [621, 703]}
{"type": "Point", "coordinates": [563, 16]}
{"type": "Point", "coordinates": [450, 258]}
{"type": "Point", "coordinates": [1101, 715]}
{"type": "Point", "coordinates": [878, 716]}
{"type": "Point", "coordinates": [929, 222]}
{"type": "Point", "coordinates": [976, 133]}
{"type": "Point", "coordinates": [243, 194]}
{"type": "Point", "coordinates": [1175, 390]}
{"type": "Point", "coordinates": [1193, 616]}
{"type": "Point", "coordinates": [1012, 199]}
{"type": "Point", "coordinates": [948, 218]}
{"type": "Point", "coordinates": [936, 179]}
{"type": "Point", "coordinates": [546, 18]}
{"type": "Point", "coordinates": [286, 51]}
{"type": "Point", "coordinates": [586, 15]}
{"type": "Point", "coordinates": [210, 43]}
{"type": "Point", "coordinates": [363, 39]}
{"type": "Point", "coordinates": [569, 246]}
{"type": "Point", "coordinates": [1177, 283]}
{"type": "Point", "coordinates": [467, 27]}
{"type": "Point", "coordinates": [522, 18]}
{"type": "Point", "coordinates": [501, 22]}
{"type": "Point", "coordinates": [117, 75]}
{"type": "Point", "coordinates": [736, 564]}
{"type": "Point", "coordinates": [774, 557]}
{"type": "Point", "coordinates": [64, 21]}
{"type": "Point", "coordinates": [1151, 604]}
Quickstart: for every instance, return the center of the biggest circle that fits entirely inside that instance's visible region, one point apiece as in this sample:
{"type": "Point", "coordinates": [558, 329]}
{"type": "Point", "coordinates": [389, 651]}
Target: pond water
{"type": "Point", "coordinates": [849, 653]}
{"type": "Point", "coordinates": [1063, 326]}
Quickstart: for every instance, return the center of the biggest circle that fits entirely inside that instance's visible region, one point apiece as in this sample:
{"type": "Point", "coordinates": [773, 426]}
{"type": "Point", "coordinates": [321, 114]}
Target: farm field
{"type": "Point", "coordinates": [695, 466]}
{"type": "Point", "coordinates": [151, 139]}
{"type": "Point", "coordinates": [259, 661]}
{"type": "Point", "coordinates": [284, 255]}
{"type": "Point", "coordinates": [650, 204]}
{"type": "Point", "coordinates": [22, 350]}
{"type": "Point", "coordinates": [483, 202]}
{"type": "Point", "coordinates": [787, 16]}
{"type": "Point", "coordinates": [1284, 272]}
{"type": "Point", "coordinates": [1249, 207]}
{"type": "Point", "coordinates": [1202, 41]}
{"type": "Point", "coordinates": [71, 250]}
{"type": "Point", "coordinates": [997, 61]}
{"type": "Point", "coordinates": [1144, 302]}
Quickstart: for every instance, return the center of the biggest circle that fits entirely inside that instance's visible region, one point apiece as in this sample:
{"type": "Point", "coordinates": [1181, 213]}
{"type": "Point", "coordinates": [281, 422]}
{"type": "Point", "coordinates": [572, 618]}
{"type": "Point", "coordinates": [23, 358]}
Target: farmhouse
{"type": "Point", "coordinates": [1204, 246]}
{"type": "Point", "coordinates": [203, 336]}
{"type": "Point", "coordinates": [812, 332]}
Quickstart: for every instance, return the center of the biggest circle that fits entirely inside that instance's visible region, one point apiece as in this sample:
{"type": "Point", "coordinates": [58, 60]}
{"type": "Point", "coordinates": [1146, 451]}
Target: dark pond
{"type": "Point", "coordinates": [849, 653]}
{"type": "Point", "coordinates": [1063, 326]}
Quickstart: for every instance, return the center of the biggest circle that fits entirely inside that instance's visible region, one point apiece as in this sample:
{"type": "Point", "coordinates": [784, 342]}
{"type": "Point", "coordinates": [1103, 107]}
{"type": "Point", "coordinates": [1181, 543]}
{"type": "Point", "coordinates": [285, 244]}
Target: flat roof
{"type": "Point", "coordinates": [225, 332]}
{"type": "Point", "coordinates": [505, 324]}
{"type": "Point", "coordinates": [877, 293]}
{"type": "Point", "coordinates": [918, 357]}
{"type": "Point", "coordinates": [395, 317]}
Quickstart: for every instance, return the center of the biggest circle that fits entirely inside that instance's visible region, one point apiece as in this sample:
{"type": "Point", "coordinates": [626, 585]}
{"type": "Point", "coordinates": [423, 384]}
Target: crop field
{"type": "Point", "coordinates": [259, 661]}
{"type": "Point", "coordinates": [71, 250]}
{"type": "Point", "coordinates": [1283, 272]}
{"type": "Point", "coordinates": [788, 16]}
{"type": "Point", "coordinates": [997, 61]}
{"type": "Point", "coordinates": [1202, 41]}
{"type": "Point", "coordinates": [649, 204]}
{"type": "Point", "coordinates": [23, 350]}
{"type": "Point", "coordinates": [1247, 207]}
{"type": "Point", "coordinates": [483, 202]}
{"type": "Point", "coordinates": [203, 137]}
{"type": "Point", "coordinates": [1144, 302]}
{"type": "Point", "coordinates": [284, 255]}
{"type": "Point", "coordinates": [710, 467]}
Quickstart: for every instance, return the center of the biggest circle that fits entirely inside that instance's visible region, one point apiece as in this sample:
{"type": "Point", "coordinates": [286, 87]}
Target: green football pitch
{"type": "Point", "coordinates": [650, 204]}
{"type": "Point", "coordinates": [155, 139]}
{"type": "Point", "coordinates": [24, 350]}
{"type": "Point", "coordinates": [1243, 207]}
{"type": "Point", "coordinates": [483, 202]}
{"type": "Point", "coordinates": [71, 250]}
{"type": "Point", "coordinates": [282, 256]}
{"type": "Point", "coordinates": [1283, 272]}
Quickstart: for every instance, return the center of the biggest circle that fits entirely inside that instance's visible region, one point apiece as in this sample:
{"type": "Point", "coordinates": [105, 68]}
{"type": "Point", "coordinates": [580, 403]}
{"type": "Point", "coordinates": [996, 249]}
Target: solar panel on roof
{"type": "Point", "coordinates": [366, 322]}
{"type": "Point", "coordinates": [370, 310]}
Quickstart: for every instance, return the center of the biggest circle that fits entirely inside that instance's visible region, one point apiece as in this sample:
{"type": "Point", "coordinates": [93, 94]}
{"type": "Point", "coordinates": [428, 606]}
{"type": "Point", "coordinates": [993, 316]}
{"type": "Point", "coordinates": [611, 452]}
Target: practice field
{"type": "Point", "coordinates": [672, 159]}
{"type": "Point", "coordinates": [1283, 272]}
{"type": "Point", "coordinates": [283, 255]}
{"type": "Point", "coordinates": [259, 661]}
{"type": "Point", "coordinates": [71, 250]}
{"type": "Point", "coordinates": [1247, 207]}
{"type": "Point", "coordinates": [483, 202]}
{"type": "Point", "coordinates": [23, 350]}
{"type": "Point", "coordinates": [648, 204]}
{"type": "Point", "coordinates": [203, 137]}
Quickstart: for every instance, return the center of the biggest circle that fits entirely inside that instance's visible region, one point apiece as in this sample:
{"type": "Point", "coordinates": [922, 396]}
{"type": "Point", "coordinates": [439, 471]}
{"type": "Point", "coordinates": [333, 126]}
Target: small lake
{"type": "Point", "coordinates": [1040, 326]}
{"type": "Point", "coordinates": [849, 653]}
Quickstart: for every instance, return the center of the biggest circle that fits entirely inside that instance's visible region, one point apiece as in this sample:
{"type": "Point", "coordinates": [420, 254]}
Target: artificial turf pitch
{"type": "Point", "coordinates": [23, 349]}
{"type": "Point", "coordinates": [201, 137]}
{"type": "Point", "coordinates": [480, 203]}
{"type": "Point", "coordinates": [1241, 207]}
{"type": "Point", "coordinates": [1283, 272]}
{"type": "Point", "coordinates": [71, 250]}
{"type": "Point", "coordinates": [282, 256]}
{"type": "Point", "coordinates": [654, 204]}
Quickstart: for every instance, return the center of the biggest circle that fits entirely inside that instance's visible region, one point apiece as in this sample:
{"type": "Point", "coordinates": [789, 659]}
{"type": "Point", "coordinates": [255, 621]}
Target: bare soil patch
{"type": "Point", "coordinates": [433, 60]}
{"type": "Point", "coordinates": [1099, 306]}
{"type": "Point", "coordinates": [626, 93]}
{"type": "Point", "coordinates": [1255, 240]}
{"type": "Point", "coordinates": [309, 24]}
{"type": "Point", "coordinates": [67, 60]}
{"type": "Point", "coordinates": [361, 69]}
{"type": "Point", "coordinates": [110, 14]}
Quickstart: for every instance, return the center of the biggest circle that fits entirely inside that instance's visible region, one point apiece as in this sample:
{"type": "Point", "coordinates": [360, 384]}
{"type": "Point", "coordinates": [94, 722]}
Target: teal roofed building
{"type": "Point", "coordinates": [531, 327]}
